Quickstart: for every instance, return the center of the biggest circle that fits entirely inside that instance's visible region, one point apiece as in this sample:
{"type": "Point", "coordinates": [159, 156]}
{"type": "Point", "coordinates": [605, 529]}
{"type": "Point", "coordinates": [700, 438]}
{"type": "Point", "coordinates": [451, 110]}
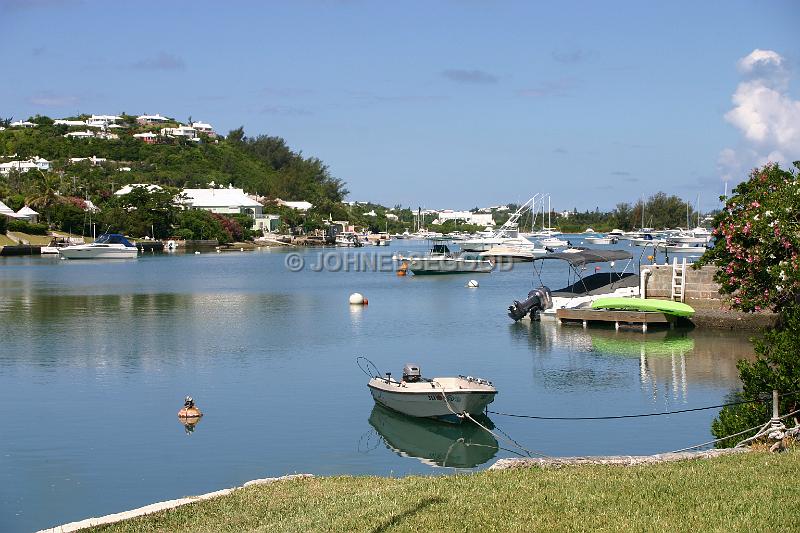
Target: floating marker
{"type": "Point", "coordinates": [472, 284]}
{"type": "Point", "coordinates": [357, 299]}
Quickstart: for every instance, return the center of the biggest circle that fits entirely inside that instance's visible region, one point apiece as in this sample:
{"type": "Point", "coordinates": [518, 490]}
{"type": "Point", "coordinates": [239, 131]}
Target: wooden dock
{"type": "Point", "coordinates": [619, 318]}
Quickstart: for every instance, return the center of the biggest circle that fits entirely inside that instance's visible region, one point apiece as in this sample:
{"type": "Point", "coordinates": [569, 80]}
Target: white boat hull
{"type": "Point", "coordinates": [450, 265]}
{"type": "Point", "coordinates": [553, 242]}
{"type": "Point", "coordinates": [560, 302]}
{"type": "Point", "coordinates": [696, 250]}
{"type": "Point", "coordinates": [480, 245]}
{"type": "Point", "coordinates": [98, 252]}
{"type": "Point", "coordinates": [601, 240]}
{"type": "Point", "coordinates": [426, 399]}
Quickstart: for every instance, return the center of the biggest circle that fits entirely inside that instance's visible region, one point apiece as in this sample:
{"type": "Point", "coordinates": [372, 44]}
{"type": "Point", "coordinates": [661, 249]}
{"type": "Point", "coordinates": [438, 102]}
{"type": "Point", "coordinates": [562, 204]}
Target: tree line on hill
{"type": "Point", "coordinates": [263, 165]}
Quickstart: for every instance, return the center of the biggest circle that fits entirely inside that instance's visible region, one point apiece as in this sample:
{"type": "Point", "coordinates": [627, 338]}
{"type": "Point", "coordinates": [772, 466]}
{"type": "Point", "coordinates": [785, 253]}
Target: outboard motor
{"type": "Point", "coordinates": [411, 373]}
{"type": "Point", "coordinates": [538, 300]}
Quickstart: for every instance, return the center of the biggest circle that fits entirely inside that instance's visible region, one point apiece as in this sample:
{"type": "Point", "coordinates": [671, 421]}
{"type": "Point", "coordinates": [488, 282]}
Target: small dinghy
{"type": "Point", "coordinates": [446, 398]}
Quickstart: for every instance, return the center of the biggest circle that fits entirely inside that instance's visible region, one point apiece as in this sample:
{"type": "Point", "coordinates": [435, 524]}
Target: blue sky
{"type": "Point", "coordinates": [435, 104]}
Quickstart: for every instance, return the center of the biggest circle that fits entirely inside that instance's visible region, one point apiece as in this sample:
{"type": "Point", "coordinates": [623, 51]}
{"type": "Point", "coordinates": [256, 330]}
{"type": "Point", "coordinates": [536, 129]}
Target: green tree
{"type": "Point", "coordinates": [45, 194]}
{"type": "Point", "coordinates": [756, 254]}
{"type": "Point", "coordinates": [757, 241]}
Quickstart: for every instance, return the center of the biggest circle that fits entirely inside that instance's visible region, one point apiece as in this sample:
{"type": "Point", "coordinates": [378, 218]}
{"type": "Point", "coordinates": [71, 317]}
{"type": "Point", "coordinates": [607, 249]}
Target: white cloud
{"type": "Point", "coordinates": [766, 115]}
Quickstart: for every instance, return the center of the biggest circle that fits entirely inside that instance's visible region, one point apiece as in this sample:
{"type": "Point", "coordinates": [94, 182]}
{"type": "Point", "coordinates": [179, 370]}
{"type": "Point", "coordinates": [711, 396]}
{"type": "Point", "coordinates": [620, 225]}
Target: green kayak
{"type": "Point", "coordinates": [644, 304]}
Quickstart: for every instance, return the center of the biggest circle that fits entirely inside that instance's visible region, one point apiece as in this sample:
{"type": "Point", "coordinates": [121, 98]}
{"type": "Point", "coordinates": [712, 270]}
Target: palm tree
{"type": "Point", "coordinates": [45, 194]}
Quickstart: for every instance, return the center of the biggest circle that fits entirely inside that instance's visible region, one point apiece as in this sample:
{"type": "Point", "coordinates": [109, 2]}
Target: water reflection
{"type": "Point", "coordinates": [434, 443]}
{"type": "Point", "coordinates": [669, 361]}
{"type": "Point", "coordinates": [189, 424]}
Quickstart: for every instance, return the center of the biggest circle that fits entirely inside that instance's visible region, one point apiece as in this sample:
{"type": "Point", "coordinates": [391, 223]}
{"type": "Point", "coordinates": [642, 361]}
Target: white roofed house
{"type": "Point", "coordinates": [299, 205]}
{"type": "Point", "coordinates": [71, 123]}
{"type": "Point", "coordinates": [22, 124]}
{"type": "Point", "coordinates": [148, 137]}
{"type": "Point", "coordinates": [479, 219]}
{"type": "Point", "coordinates": [204, 128]}
{"type": "Point", "coordinates": [94, 160]}
{"type": "Point", "coordinates": [180, 131]}
{"type": "Point", "coordinates": [129, 188]}
{"type": "Point", "coordinates": [110, 119]}
{"type": "Point", "coordinates": [80, 134]}
{"type": "Point", "coordinates": [229, 201]}
{"type": "Point", "coordinates": [34, 163]}
{"type": "Point", "coordinates": [152, 119]}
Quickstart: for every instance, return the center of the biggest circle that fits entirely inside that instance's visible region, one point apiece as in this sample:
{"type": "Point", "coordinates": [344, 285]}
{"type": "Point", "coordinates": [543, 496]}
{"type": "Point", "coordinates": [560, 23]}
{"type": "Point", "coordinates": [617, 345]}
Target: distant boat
{"type": "Point", "coordinates": [348, 239]}
{"type": "Point", "coordinates": [440, 260]}
{"type": "Point", "coordinates": [682, 248]}
{"type": "Point", "coordinates": [107, 246]}
{"type": "Point", "coordinates": [601, 240]}
{"type": "Point", "coordinates": [515, 250]}
{"type": "Point", "coordinates": [553, 242]}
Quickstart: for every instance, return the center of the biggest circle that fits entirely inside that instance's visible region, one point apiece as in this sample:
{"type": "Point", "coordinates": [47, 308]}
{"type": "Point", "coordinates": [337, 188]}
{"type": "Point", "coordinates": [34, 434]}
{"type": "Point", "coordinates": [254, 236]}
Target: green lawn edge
{"type": "Point", "coordinates": [740, 492]}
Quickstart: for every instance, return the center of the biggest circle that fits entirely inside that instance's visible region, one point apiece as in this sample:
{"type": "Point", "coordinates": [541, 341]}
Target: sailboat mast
{"type": "Point", "coordinates": [549, 210]}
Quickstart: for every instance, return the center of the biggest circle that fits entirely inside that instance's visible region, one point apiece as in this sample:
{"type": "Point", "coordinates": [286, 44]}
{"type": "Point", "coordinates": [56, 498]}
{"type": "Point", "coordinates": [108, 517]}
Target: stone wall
{"type": "Point", "coordinates": [700, 286]}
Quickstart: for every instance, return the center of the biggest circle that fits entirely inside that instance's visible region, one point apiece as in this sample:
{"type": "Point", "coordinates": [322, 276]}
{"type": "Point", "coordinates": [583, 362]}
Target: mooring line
{"type": "Point", "coordinates": [616, 417]}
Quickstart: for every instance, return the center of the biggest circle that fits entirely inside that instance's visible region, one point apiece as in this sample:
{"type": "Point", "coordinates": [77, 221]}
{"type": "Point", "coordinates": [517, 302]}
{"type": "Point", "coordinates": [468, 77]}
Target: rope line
{"type": "Point", "coordinates": [760, 427]}
{"type": "Point", "coordinates": [641, 415]}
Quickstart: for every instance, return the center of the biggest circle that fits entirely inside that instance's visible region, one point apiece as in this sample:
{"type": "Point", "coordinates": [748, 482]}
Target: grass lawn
{"type": "Point", "coordinates": [745, 492]}
{"type": "Point", "coordinates": [35, 240]}
{"type": "Point", "coordinates": [5, 241]}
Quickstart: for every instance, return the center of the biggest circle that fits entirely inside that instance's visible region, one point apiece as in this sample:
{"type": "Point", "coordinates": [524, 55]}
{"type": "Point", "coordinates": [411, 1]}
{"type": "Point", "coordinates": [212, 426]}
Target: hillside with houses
{"type": "Point", "coordinates": [138, 174]}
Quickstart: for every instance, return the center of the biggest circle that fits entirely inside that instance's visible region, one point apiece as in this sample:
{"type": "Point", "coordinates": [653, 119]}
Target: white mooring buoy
{"type": "Point", "coordinates": [357, 299]}
{"type": "Point", "coordinates": [472, 284]}
{"type": "Point", "coordinates": [197, 253]}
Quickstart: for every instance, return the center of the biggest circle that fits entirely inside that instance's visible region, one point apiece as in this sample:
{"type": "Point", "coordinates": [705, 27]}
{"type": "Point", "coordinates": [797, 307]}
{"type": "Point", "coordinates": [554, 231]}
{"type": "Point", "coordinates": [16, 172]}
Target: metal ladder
{"type": "Point", "coordinates": [678, 280]}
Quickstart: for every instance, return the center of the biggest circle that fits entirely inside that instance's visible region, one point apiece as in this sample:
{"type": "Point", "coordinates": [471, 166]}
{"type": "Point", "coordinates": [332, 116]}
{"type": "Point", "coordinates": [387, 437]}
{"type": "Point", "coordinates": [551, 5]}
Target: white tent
{"type": "Point", "coordinates": [5, 210]}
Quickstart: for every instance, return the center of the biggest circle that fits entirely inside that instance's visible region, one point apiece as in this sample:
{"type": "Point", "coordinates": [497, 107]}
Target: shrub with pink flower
{"type": "Point", "coordinates": [758, 240]}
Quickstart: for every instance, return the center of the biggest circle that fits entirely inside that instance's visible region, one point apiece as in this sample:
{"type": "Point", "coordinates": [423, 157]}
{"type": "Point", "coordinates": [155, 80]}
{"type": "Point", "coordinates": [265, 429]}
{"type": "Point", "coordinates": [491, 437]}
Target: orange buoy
{"type": "Point", "coordinates": [189, 410]}
{"type": "Point", "coordinates": [402, 270]}
{"type": "Point", "coordinates": [365, 302]}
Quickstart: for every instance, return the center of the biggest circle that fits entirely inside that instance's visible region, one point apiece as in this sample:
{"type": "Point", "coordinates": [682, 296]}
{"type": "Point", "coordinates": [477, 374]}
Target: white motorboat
{"type": "Point", "coordinates": [107, 246]}
{"type": "Point", "coordinates": [601, 240]}
{"type": "Point", "coordinates": [440, 260]}
{"type": "Point", "coordinates": [488, 239]}
{"type": "Point", "coordinates": [582, 290]}
{"type": "Point", "coordinates": [553, 242]}
{"type": "Point", "coordinates": [695, 236]}
{"type": "Point", "coordinates": [446, 398]}
{"type": "Point", "coordinates": [513, 251]}
{"type": "Point", "coordinates": [647, 240]}
{"type": "Point", "coordinates": [684, 248]}
{"type": "Point", "coordinates": [348, 239]}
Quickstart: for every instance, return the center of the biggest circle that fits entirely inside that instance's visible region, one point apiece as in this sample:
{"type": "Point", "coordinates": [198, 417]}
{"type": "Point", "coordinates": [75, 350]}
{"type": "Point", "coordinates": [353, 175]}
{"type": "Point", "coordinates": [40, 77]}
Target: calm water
{"type": "Point", "coordinates": [96, 358]}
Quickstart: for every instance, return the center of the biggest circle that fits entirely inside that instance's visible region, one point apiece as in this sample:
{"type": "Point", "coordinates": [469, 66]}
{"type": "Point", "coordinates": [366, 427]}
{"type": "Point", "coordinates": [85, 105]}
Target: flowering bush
{"type": "Point", "coordinates": [757, 241]}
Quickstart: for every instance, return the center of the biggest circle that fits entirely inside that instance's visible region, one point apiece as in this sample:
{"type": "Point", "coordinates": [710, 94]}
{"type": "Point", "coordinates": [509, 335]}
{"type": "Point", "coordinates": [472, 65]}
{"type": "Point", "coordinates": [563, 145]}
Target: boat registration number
{"type": "Point", "coordinates": [438, 397]}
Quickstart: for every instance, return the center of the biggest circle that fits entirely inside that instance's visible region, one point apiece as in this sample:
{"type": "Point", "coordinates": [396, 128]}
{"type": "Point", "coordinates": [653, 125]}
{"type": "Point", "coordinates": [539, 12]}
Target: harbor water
{"type": "Point", "coordinates": [97, 356]}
